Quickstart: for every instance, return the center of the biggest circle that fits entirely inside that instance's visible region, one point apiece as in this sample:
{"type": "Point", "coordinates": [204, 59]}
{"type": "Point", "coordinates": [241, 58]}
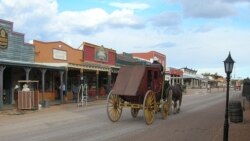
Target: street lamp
{"type": "Point", "coordinates": [228, 63]}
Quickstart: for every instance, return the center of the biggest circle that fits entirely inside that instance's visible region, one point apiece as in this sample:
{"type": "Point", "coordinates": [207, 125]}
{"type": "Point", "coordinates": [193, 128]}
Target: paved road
{"type": "Point", "coordinates": [201, 118]}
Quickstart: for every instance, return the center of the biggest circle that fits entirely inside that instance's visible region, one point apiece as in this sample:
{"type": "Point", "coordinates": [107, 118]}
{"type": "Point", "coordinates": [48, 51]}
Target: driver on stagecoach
{"type": "Point", "coordinates": [156, 61]}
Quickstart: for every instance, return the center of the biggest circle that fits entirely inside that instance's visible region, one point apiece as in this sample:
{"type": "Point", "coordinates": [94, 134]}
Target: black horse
{"type": "Point", "coordinates": [174, 92]}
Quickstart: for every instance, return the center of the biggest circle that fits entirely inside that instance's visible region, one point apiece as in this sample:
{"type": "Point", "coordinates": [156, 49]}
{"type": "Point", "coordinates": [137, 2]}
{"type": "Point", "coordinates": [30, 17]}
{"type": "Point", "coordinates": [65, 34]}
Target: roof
{"type": "Point", "coordinates": [29, 64]}
{"type": "Point", "coordinates": [126, 58]}
{"type": "Point", "coordinates": [128, 80]}
{"type": "Point", "coordinates": [96, 46]}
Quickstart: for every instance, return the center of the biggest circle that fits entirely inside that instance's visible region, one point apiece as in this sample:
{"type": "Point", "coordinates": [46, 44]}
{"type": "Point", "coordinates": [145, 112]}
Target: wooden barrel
{"type": "Point", "coordinates": [235, 111]}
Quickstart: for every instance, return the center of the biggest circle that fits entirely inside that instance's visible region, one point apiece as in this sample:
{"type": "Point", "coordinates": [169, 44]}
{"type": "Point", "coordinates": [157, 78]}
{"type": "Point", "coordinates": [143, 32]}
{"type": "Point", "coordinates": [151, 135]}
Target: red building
{"type": "Point", "coordinates": [98, 54]}
{"type": "Point", "coordinates": [150, 56]}
{"type": "Point", "coordinates": [99, 63]}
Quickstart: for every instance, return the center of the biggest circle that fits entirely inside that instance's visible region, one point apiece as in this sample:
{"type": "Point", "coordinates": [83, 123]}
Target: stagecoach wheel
{"type": "Point", "coordinates": [134, 112]}
{"type": "Point", "coordinates": [149, 107]}
{"type": "Point", "coordinates": [164, 110]}
{"type": "Point", "coordinates": [114, 110]}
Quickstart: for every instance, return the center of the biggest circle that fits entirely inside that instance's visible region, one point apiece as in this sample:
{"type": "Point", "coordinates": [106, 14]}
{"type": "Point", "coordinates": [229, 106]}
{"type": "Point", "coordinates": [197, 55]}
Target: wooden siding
{"type": "Point", "coordinates": [17, 50]}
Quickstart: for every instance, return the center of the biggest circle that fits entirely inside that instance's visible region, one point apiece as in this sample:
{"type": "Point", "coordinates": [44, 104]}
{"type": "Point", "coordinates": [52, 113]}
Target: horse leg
{"type": "Point", "coordinates": [175, 107]}
{"type": "Point", "coordinates": [179, 108]}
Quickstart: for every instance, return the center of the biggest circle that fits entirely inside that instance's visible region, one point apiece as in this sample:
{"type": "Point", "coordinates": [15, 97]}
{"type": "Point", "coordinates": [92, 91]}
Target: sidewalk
{"type": "Point", "coordinates": [202, 91]}
{"type": "Point", "coordinates": [241, 131]}
{"type": "Point", "coordinates": [54, 107]}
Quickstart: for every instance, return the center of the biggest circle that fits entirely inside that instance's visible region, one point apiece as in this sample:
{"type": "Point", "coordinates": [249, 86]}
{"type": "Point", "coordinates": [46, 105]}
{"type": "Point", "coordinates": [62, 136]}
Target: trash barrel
{"type": "Point", "coordinates": [235, 111]}
{"type": "Point", "coordinates": [45, 103]}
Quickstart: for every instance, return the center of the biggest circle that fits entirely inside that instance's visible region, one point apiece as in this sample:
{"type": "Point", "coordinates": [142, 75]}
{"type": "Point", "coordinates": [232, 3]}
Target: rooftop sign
{"type": "Point", "coordinates": [3, 38]}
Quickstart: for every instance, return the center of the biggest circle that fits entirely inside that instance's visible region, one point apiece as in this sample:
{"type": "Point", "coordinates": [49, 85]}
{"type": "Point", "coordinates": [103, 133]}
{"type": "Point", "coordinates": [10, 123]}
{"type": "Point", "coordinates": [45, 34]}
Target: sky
{"type": "Point", "coordinates": [191, 33]}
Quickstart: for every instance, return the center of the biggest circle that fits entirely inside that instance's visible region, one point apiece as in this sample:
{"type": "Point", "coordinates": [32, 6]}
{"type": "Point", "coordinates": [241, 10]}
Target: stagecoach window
{"type": "Point", "coordinates": [149, 79]}
{"type": "Point", "coordinates": [155, 75]}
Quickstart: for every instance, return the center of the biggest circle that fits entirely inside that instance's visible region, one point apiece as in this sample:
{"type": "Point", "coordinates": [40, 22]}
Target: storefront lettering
{"type": "Point", "coordinates": [59, 54]}
{"type": "Point", "coordinates": [3, 38]}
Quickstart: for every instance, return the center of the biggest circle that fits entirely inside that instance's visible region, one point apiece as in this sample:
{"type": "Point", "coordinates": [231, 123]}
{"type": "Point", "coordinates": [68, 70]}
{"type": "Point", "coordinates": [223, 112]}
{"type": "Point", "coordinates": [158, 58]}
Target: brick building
{"type": "Point", "coordinates": [95, 64]}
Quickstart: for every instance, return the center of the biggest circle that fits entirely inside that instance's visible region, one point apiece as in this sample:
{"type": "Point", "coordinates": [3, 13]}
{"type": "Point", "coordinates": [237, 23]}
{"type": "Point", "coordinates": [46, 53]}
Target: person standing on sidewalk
{"type": "Point", "coordinates": [62, 87]}
{"type": "Point", "coordinates": [16, 95]}
{"type": "Point", "coordinates": [74, 91]}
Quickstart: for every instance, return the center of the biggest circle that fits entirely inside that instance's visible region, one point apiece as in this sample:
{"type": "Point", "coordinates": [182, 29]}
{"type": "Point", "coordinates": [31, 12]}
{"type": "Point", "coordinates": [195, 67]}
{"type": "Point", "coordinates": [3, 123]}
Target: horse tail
{"type": "Point", "coordinates": [169, 98]}
{"type": "Point", "coordinates": [168, 92]}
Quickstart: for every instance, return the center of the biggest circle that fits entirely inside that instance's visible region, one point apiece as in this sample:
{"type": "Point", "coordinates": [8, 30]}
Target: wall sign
{"type": "Point", "coordinates": [3, 38]}
{"type": "Point", "coordinates": [59, 54]}
{"type": "Point", "coordinates": [101, 54]}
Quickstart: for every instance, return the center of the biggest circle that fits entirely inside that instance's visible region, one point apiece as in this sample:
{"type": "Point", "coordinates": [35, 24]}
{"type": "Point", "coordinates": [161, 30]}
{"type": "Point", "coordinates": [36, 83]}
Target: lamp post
{"type": "Point", "coordinates": [228, 64]}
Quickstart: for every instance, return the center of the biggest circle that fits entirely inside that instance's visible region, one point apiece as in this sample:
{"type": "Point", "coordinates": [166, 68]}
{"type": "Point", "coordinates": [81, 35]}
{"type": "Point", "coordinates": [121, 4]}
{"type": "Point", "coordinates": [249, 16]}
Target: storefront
{"type": "Point", "coordinates": [95, 65]}
{"type": "Point", "coordinates": [176, 76]}
{"type": "Point", "coordinates": [192, 79]}
{"type": "Point", "coordinates": [101, 70]}
{"type": "Point", "coordinates": [17, 63]}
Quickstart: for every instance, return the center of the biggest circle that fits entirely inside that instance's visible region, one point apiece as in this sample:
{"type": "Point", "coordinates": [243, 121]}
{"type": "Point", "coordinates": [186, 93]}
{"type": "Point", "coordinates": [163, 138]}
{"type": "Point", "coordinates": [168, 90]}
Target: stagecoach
{"type": "Point", "coordinates": [139, 87]}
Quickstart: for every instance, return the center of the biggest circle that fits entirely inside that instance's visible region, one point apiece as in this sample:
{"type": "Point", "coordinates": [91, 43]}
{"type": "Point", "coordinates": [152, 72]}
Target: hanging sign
{"type": "Point", "coordinates": [101, 54]}
{"type": "Point", "coordinates": [3, 38]}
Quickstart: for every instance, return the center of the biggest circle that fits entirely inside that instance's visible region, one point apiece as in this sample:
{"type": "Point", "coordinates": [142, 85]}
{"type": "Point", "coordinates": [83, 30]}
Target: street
{"type": "Point", "coordinates": [201, 118]}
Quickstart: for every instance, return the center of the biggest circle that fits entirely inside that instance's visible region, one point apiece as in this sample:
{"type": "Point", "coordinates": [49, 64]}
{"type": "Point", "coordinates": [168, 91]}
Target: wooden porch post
{"type": "Point", "coordinates": [97, 84]}
{"type": "Point", "coordinates": [61, 84]}
{"type": "Point", "coordinates": [109, 81]}
{"type": "Point", "coordinates": [66, 83]}
{"type": "Point", "coordinates": [27, 70]}
{"type": "Point", "coordinates": [43, 84]}
{"type": "Point", "coordinates": [1, 86]}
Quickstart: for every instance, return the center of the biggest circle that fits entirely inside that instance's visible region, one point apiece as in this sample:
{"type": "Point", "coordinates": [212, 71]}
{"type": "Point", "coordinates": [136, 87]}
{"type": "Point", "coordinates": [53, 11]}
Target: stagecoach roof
{"type": "Point", "coordinates": [128, 80]}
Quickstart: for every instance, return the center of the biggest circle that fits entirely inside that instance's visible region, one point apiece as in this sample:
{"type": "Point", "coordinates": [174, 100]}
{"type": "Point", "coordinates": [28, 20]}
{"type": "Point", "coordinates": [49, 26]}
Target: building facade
{"type": "Point", "coordinates": [17, 63]}
{"type": "Point", "coordinates": [93, 64]}
{"type": "Point", "coordinates": [192, 79]}
{"type": "Point", "coordinates": [151, 56]}
{"type": "Point", "coordinates": [174, 76]}
{"type": "Point", "coordinates": [126, 59]}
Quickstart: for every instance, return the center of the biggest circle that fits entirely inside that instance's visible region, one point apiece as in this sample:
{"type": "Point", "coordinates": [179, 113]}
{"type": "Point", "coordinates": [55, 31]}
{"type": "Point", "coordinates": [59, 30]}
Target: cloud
{"type": "Point", "coordinates": [29, 17]}
{"type": "Point", "coordinates": [207, 9]}
{"type": "Point", "coordinates": [164, 45]}
{"type": "Point", "coordinates": [204, 28]}
{"type": "Point", "coordinates": [82, 22]}
{"type": "Point", "coordinates": [210, 49]}
{"type": "Point", "coordinates": [124, 18]}
{"type": "Point", "coordinates": [123, 30]}
{"type": "Point", "coordinates": [132, 6]}
{"type": "Point", "coordinates": [167, 22]}
{"type": "Point", "coordinates": [236, 1]}
{"type": "Point", "coordinates": [41, 20]}
{"type": "Point", "coordinates": [167, 19]}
